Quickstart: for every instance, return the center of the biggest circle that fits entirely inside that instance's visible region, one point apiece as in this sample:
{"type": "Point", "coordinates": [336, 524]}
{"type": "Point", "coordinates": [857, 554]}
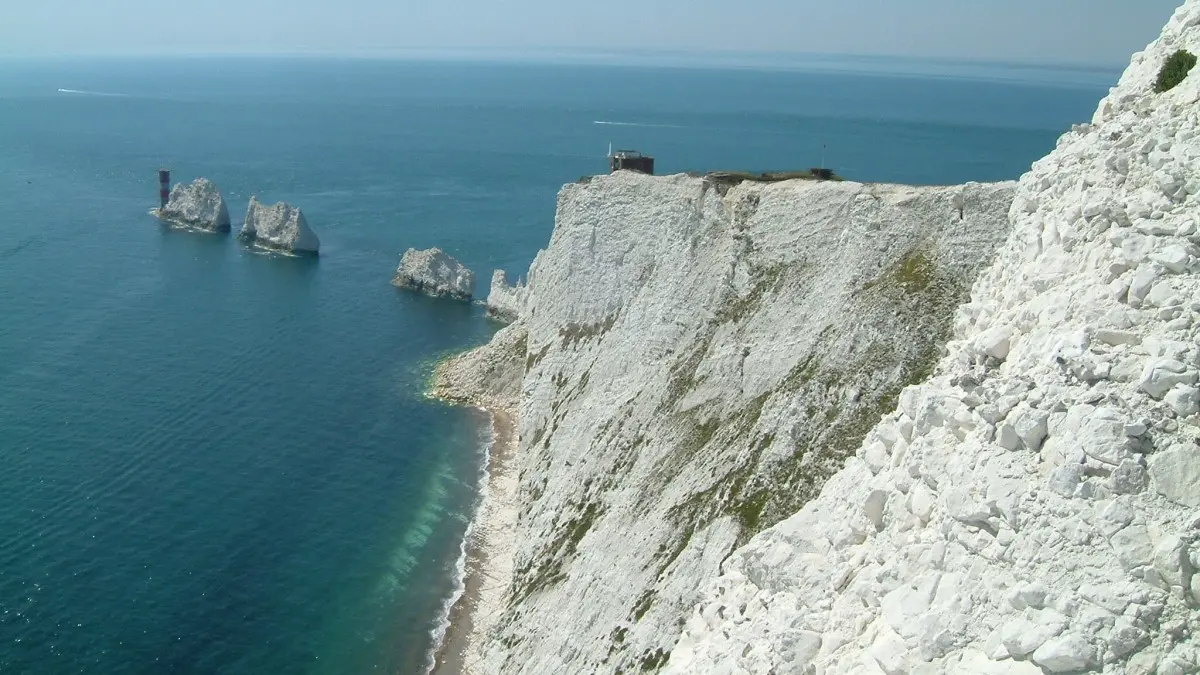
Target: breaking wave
{"type": "Point", "coordinates": [438, 633]}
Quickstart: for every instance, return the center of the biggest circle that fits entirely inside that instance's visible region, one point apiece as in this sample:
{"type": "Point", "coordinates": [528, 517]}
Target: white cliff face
{"type": "Point", "coordinates": [697, 359]}
{"type": "Point", "coordinates": [1032, 507]}
{"type": "Point", "coordinates": [505, 302]}
{"type": "Point", "coordinates": [434, 273]}
{"type": "Point", "coordinates": [198, 204]}
{"type": "Point", "coordinates": [280, 226]}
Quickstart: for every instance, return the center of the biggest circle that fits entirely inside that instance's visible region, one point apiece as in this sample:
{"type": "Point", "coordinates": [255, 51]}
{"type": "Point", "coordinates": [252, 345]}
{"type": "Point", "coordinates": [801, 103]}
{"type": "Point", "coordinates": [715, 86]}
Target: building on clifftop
{"type": "Point", "coordinates": [631, 160]}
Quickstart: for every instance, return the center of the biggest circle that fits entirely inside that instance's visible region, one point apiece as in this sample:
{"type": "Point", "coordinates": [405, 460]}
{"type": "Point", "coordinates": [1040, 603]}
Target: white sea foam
{"type": "Point", "coordinates": [438, 632]}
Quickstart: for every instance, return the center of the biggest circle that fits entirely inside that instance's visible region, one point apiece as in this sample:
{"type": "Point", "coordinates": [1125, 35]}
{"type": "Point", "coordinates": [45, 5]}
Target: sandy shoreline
{"type": "Point", "coordinates": [489, 562]}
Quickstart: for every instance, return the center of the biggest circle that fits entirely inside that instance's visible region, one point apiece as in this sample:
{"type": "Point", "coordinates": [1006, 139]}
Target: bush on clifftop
{"type": "Point", "coordinates": [1174, 70]}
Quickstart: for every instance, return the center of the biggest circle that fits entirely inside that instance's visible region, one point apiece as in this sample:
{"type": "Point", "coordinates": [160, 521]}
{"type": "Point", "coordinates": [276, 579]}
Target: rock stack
{"type": "Point", "coordinates": [198, 205]}
{"type": "Point", "coordinates": [280, 226]}
{"type": "Point", "coordinates": [434, 273]}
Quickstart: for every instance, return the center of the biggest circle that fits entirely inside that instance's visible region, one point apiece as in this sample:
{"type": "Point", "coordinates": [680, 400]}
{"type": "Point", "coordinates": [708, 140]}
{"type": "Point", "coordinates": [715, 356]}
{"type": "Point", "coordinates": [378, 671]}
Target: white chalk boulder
{"type": "Point", "coordinates": [434, 273]}
{"type": "Point", "coordinates": [198, 204]}
{"type": "Point", "coordinates": [280, 226]}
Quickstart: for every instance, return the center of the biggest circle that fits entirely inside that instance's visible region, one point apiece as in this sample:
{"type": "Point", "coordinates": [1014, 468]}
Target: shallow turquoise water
{"type": "Point", "coordinates": [221, 462]}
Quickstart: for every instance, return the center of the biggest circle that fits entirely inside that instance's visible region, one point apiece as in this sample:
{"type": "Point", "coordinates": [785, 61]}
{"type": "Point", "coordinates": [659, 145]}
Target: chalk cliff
{"type": "Point", "coordinates": [281, 226]}
{"type": "Point", "coordinates": [434, 273]}
{"type": "Point", "coordinates": [1030, 508]}
{"type": "Point", "coordinates": [700, 371]}
{"type": "Point", "coordinates": [691, 361]}
{"type": "Point", "coordinates": [198, 204]}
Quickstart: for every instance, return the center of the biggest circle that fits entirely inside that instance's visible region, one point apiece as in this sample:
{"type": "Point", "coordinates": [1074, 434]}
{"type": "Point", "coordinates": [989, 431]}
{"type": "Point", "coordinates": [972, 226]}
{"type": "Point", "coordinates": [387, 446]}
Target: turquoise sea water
{"type": "Point", "coordinates": [216, 461]}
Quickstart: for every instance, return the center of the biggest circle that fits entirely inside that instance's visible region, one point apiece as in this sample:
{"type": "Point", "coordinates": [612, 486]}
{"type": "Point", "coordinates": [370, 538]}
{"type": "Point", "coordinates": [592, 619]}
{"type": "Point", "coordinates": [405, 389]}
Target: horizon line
{"type": "Point", "coordinates": [590, 53]}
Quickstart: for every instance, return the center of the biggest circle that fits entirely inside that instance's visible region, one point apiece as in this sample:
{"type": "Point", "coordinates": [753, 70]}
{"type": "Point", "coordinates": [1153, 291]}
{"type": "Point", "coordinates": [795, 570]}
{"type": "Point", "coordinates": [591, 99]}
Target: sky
{"type": "Point", "coordinates": [1090, 32]}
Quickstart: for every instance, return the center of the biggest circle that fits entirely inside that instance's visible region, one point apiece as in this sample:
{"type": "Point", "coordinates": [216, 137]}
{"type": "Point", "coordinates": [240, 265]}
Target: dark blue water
{"type": "Point", "coordinates": [216, 461]}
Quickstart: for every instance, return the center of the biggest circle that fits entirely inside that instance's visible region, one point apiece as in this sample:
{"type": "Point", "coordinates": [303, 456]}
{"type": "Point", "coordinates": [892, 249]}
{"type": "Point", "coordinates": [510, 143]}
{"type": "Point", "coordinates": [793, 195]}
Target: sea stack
{"type": "Point", "coordinates": [198, 205]}
{"type": "Point", "coordinates": [434, 273]}
{"type": "Point", "coordinates": [504, 302]}
{"type": "Point", "coordinates": [280, 226]}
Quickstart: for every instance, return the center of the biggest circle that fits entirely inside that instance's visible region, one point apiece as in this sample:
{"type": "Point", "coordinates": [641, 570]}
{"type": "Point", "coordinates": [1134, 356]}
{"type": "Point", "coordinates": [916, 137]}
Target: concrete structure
{"type": "Point", "coordinates": [631, 160]}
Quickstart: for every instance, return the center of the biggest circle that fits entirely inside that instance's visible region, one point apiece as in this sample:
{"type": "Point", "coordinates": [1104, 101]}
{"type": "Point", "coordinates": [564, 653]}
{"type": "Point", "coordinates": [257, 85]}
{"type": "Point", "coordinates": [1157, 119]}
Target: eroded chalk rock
{"type": "Point", "coordinates": [198, 204]}
{"type": "Point", "coordinates": [434, 273]}
{"type": "Point", "coordinates": [280, 226]}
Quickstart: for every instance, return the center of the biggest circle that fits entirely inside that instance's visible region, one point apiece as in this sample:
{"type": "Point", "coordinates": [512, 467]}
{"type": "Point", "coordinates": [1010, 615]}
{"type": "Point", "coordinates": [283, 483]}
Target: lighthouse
{"type": "Point", "coordinates": [164, 187]}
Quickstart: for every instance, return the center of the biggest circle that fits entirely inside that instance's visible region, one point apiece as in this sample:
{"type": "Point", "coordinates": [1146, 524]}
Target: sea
{"type": "Point", "coordinates": [214, 460]}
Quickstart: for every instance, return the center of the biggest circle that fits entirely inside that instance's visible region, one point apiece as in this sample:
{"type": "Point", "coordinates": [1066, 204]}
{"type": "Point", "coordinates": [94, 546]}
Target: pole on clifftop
{"type": "Point", "coordinates": [164, 187]}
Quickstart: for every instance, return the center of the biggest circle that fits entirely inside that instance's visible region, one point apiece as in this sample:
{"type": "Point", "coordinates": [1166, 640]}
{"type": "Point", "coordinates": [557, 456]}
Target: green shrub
{"type": "Point", "coordinates": [1174, 70]}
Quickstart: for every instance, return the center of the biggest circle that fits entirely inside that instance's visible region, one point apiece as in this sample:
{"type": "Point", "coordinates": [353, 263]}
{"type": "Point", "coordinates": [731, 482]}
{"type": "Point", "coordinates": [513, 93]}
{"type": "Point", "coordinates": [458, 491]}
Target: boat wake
{"type": "Point", "coordinates": [81, 92]}
{"type": "Point", "coordinates": [638, 124]}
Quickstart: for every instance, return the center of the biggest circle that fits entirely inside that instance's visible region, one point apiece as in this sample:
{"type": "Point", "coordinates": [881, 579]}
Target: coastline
{"type": "Point", "coordinates": [489, 554]}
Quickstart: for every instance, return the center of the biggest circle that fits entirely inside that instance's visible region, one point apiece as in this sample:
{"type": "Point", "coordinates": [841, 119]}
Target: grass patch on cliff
{"type": "Point", "coordinates": [574, 333]}
{"type": "Point", "coordinates": [843, 392]}
{"type": "Point", "coordinates": [643, 605]}
{"type": "Point", "coordinates": [924, 296]}
{"type": "Point", "coordinates": [682, 377]}
{"type": "Point", "coordinates": [549, 569]}
{"type": "Point", "coordinates": [532, 359]}
{"type": "Point", "coordinates": [914, 273]}
{"type": "Point", "coordinates": [1175, 70]}
{"type": "Point", "coordinates": [732, 178]}
{"type": "Point", "coordinates": [654, 660]}
{"type": "Point", "coordinates": [737, 309]}
{"type": "Point", "coordinates": [578, 527]}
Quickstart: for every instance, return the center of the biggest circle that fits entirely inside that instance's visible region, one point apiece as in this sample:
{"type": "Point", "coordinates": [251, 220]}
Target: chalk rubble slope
{"type": "Point", "coordinates": [695, 358]}
{"type": "Point", "coordinates": [280, 226]}
{"type": "Point", "coordinates": [433, 272]}
{"type": "Point", "coordinates": [1033, 506]}
{"type": "Point", "coordinates": [198, 204]}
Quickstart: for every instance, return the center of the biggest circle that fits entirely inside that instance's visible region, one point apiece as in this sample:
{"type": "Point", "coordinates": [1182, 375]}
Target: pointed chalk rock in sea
{"type": "Point", "coordinates": [434, 273]}
{"type": "Point", "coordinates": [505, 302]}
{"type": "Point", "coordinates": [279, 226]}
{"type": "Point", "coordinates": [198, 204]}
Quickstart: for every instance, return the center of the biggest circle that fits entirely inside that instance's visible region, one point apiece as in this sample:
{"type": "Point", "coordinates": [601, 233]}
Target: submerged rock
{"type": "Point", "coordinates": [434, 273]}
{"type": "Point", "coordinates": [280, 226]}
{"type": "Point", "coordinates": [198, 204]}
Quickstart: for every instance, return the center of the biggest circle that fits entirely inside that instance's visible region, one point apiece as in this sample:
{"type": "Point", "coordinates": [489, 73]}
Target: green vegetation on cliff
{"type": "Point", "coordinates": [1176, 68]}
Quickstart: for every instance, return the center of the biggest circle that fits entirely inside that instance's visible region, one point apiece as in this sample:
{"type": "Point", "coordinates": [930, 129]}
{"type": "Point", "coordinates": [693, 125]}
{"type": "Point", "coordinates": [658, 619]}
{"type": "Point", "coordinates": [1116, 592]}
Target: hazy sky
{"type": "Point", "coordinates": [1084, 31]}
